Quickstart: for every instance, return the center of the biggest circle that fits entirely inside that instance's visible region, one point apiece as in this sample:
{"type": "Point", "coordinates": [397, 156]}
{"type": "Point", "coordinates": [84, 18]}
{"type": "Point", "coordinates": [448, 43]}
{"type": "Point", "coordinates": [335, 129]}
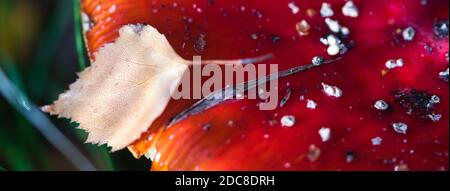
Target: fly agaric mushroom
{"type": "Point", "coordinates": [242, 137]}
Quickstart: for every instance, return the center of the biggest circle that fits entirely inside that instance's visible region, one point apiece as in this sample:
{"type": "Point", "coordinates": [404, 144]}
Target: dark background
{"type": "Point", "coordinates": [38, 54]}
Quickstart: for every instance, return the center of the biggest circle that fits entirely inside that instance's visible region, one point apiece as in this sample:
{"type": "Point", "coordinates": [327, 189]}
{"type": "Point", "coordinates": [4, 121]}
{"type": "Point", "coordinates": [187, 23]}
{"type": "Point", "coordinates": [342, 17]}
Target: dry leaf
{"type": "Point", "coordinates": [128, 86]}
{"type": "Point", "coordinates": [125, 89]}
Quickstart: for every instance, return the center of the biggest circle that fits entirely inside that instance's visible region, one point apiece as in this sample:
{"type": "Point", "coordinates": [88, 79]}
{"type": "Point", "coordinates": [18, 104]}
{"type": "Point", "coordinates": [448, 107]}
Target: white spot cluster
{"type": "Point", "coordinates": [381, 105]}
{"type": "Point", "coordinates": [394, 63]}
{"type": "Point", "coordinates": [376, 141]}
{"type": "Point", "coordinates": [408, 34]}
{"type": "Point", "coordinates": [331, 90]}
{"type": "Point", "coordinates": [86, 22]}
{"type": "Point", "coordinates": [400, 127]}
{"type": "Point", "coordinates": [317, 60]}
{"type": "Point", "coordinates": [345, 31]}
{"type": "Point", "coordinates": [435, 117]}
{"type": "Point", "coordinates": [335, 45]}
{"type": "Point", "coordinates": [326, 10]}
{"type": "Point", "coordinates": [330, 40]}
{"type": "Point", "coordinates": [151, 153]}
{"type": "Point", "coordinates": [444, 75]}
{"type": "Point", "coordinates": [335, 27]}
{"type": "Point", "coordinates": [350, 9]}
{"type": "Point", "coordinates": [333, 50]}
{"type": "Point", "coordinates": [325, 134]}
{"type": "Point", "coordinates": [310, 104]}
{"type": "Point", "coordinates": [112, 9]}
{"type": "Point", "coordinates": [435, 99]}
{"type": "Point", "coordinates": [293, 8]}
{"type": "Point", "coordinates": [288, 121]}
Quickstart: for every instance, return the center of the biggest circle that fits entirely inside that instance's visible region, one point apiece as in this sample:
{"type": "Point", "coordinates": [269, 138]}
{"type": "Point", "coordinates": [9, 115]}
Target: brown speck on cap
{"type": "Point", "coordinates": [313, 153]}
{"type": "Point", "coordinates": [401, 167]}
{"type": "Point", "coordinates": [311, 12]}
{"type": "Point", "coordinates": [302, 28]}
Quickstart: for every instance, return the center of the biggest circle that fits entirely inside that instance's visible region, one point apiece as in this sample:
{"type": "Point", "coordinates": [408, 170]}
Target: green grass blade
{"type": "Point", "coordinates": [12, 153]}
{"type": "Point", "coordinates": [29, 138]}
{"type": "Point", "coordinates": [79, 40]}
{"type": "Point", "coordinates": [48, 44]}
{"type": "Point", "coordinates": [33, 114]}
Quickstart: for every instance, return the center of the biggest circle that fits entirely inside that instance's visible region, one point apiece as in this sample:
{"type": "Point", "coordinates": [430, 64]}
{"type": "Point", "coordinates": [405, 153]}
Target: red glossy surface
{"type": "Point", "coordinates": [242, 137]}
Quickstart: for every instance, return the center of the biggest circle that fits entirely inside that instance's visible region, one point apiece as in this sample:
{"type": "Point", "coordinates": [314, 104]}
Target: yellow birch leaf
{"type": "Point", "coordinates": [125, 89]}
{"type": "Point", "coordinates": [128, 86]}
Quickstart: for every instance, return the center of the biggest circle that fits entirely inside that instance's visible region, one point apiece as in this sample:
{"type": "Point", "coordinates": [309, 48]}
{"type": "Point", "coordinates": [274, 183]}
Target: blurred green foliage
{"type": "Point", "coordinates": [40, 51]}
